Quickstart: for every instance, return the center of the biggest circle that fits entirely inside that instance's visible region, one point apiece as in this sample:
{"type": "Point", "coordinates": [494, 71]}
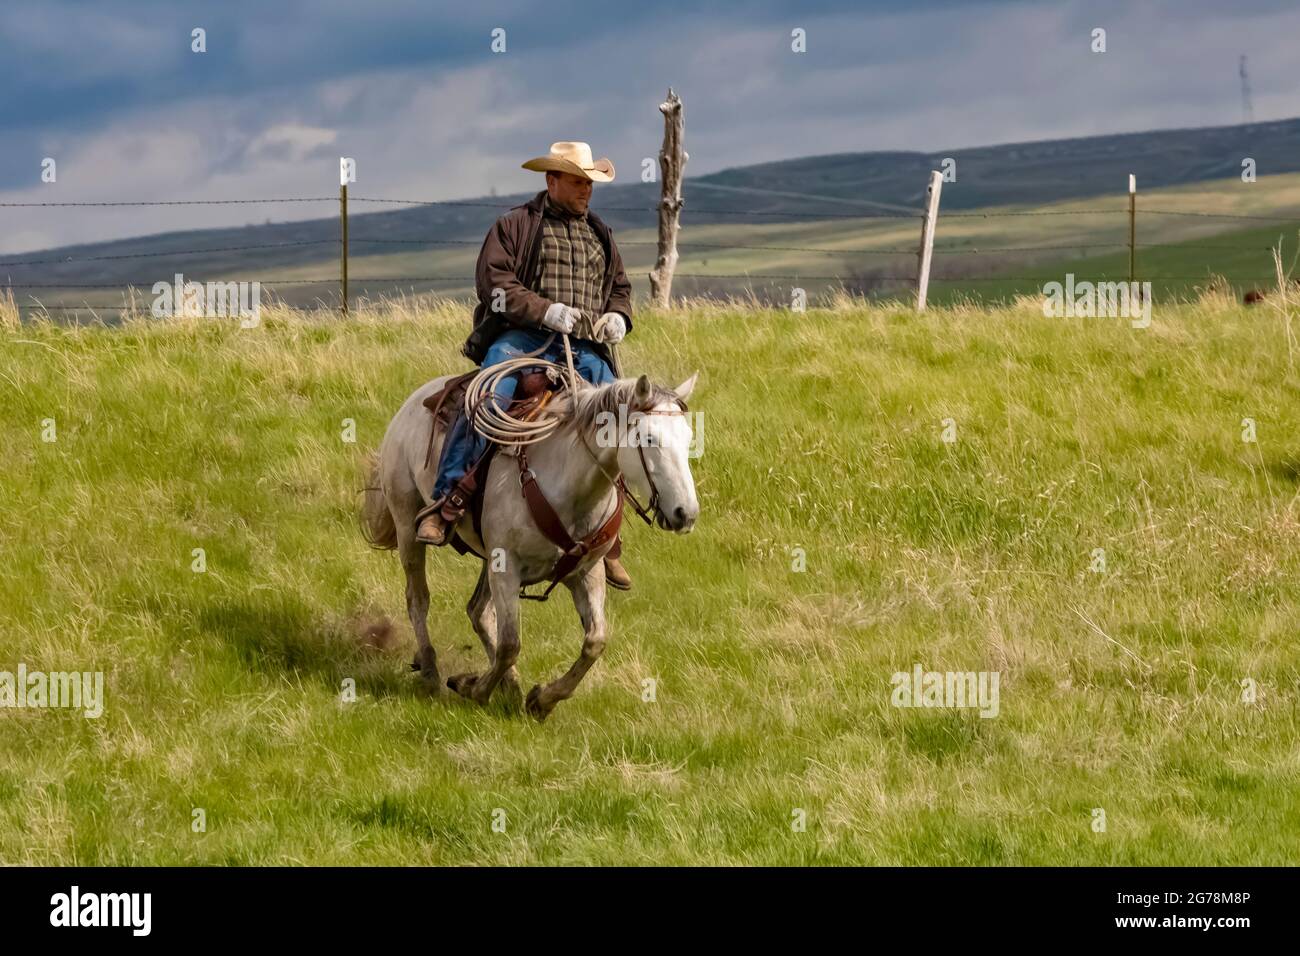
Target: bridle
{"type": "Point", "coordinates": [551, 525]}
{"type": "Point", "coordinates": [649, 513]}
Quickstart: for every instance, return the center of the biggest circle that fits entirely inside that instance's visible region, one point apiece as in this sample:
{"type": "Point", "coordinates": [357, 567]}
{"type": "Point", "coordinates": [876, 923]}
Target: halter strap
{"type": "Point", "coordinates": [646, 513]}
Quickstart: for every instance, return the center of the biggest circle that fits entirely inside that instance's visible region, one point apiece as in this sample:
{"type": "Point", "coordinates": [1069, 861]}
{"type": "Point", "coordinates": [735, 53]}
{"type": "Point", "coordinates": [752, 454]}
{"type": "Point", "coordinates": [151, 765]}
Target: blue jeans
{"type": "Point", "coordinates": [464, 445]}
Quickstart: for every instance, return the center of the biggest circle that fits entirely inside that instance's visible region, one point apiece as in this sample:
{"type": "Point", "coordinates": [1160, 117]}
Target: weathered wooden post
{"type": "Point", "coordinates": [926, 252]}
{"type": "Point", "coordinates": [672, 159]}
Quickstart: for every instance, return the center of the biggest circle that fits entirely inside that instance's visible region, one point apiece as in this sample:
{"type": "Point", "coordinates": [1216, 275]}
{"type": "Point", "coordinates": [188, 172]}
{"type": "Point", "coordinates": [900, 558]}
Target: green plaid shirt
{"type": "Point", "coordinates": [571, 266]}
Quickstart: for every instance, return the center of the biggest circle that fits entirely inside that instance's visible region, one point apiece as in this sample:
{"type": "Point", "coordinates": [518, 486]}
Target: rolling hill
{"type": "Point", "coordinates": [856, 196]}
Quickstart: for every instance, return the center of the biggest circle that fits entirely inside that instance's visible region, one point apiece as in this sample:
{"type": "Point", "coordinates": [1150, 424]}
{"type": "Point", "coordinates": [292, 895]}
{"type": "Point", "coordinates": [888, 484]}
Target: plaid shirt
{"type": "Point", "coordinates": [571, 267]}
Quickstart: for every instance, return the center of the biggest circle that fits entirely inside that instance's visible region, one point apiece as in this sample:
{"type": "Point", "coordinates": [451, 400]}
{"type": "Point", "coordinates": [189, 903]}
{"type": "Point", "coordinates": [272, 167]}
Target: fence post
{"type": "Point", "coordinates": [927, 238]}
{"type": "Point", "coordinates": [343, 261]}
{"type": "Point", "coordinates": [672, 159]}
{"type": "Point", "coordinates": [1132, 228]}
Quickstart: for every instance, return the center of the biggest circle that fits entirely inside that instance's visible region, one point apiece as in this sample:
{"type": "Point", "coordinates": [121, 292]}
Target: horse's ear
{"type": "Point", "coordinates": [684, 390]}
{"type": "Point", "coordinates": [641, 396]}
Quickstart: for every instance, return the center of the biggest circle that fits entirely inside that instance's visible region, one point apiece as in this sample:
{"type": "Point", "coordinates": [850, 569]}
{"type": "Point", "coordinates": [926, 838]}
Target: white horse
{"type": "Point", "coordinates": [635, 434]}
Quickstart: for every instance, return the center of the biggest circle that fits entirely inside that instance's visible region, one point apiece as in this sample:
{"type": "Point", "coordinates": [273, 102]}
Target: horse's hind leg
{"type": "Point", "coordinates": [417, 605]}
{"type": "Point", "coordinates": [589, 599]}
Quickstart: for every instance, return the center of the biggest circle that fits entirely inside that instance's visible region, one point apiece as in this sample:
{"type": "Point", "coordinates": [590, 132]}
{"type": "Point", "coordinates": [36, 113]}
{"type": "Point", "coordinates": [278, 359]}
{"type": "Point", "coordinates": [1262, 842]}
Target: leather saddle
{"type": "Point", "coordinates": [446, 405]}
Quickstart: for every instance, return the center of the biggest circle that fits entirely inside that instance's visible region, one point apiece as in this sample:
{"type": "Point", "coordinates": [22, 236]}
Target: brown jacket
{"type": "Point", "coordinates": [507, 262]}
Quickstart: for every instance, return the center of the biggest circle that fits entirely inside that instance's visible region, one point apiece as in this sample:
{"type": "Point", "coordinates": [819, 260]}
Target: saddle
{"type": "Point", "coordinates": [533, 391]}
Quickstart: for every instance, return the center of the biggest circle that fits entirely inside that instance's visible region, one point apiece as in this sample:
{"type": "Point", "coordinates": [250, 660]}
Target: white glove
{"type": "Point", "coordinates": [614, 329]}
{"type": "Point", "coordinates": [560, 317]}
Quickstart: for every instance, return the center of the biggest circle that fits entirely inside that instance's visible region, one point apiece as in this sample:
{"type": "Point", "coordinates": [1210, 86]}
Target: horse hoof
{"type": "Point", "coordinates": [426, 666]}
{"type": "Point", "coordinates": [463, 684]}
{"type": "Point", "coordinates": [534, 709]}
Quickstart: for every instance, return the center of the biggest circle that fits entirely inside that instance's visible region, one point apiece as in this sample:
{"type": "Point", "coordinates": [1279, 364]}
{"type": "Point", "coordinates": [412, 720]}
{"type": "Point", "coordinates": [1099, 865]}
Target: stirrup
{"type": "Point", "coordinates": [427, 510]}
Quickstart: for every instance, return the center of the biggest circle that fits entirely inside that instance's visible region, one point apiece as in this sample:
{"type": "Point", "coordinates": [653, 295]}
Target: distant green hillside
{"type": "Point", "coordinates": [808, 242]}
{"type": "Point", "coordinates": [1015, 173]}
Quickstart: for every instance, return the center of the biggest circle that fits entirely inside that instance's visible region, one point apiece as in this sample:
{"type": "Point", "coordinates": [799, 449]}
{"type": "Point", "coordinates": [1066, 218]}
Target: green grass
{"type": "Point", "coordinates": [1120, 690]}
{"type": "Point", "coordinates": [1239, 261]}
{"type": "Point", "coordinates": [1183, 249]}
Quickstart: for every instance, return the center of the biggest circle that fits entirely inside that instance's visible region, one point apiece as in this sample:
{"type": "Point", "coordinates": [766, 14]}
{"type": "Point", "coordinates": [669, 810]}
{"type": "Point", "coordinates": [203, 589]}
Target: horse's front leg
{"type": "Point", "coordinates": [505, 604]}
{"type": "Point", "coordinates": [483, 617]}
{"type": "Point", "coordinates": [589, 599]}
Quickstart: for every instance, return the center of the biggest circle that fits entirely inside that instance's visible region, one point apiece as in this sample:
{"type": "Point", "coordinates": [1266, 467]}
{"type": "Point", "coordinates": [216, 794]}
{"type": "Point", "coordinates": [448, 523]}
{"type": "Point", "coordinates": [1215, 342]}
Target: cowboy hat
{"type": "Point", "coordinates": [573, 158]}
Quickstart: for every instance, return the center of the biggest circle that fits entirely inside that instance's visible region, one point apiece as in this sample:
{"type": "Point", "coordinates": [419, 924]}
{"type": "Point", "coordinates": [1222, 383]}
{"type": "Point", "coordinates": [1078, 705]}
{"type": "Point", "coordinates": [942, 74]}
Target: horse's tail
{"type": "Point", "coordinates": [377, 525]}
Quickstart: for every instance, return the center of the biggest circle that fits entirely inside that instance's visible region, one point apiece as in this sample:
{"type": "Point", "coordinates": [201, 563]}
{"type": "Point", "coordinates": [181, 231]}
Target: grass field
{"type": "Point", "coordinates": [1121, 690]}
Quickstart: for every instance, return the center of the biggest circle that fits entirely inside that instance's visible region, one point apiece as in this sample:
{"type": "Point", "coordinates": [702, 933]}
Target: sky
{"type": "Point", "coordinates": [113, 92]}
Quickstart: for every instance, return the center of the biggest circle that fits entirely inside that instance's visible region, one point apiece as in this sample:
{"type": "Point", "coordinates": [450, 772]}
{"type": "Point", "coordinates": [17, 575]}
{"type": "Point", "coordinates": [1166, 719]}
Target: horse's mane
{"type": "Point", "coordinates": [583, 408]}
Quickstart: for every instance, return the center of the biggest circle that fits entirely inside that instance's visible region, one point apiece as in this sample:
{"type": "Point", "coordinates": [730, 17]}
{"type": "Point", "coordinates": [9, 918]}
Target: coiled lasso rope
{"type": "Point", "coordinates": [491, 421]}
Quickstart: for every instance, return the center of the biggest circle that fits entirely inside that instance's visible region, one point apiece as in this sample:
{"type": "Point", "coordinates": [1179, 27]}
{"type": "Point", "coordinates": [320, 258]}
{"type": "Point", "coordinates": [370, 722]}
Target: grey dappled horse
{"type": "Point", "coordinates": [629, 426]}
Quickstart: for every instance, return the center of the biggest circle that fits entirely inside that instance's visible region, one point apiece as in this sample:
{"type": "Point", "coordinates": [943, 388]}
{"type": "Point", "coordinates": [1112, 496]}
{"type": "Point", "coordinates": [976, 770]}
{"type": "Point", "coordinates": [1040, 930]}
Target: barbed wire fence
{"type": "Point", "coordinates": [849, 280]}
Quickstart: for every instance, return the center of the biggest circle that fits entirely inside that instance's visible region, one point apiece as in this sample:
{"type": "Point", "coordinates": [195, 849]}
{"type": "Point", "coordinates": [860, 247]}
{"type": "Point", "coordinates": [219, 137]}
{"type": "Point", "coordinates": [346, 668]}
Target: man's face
{"type": "Point", "coordinates": [569, 191]}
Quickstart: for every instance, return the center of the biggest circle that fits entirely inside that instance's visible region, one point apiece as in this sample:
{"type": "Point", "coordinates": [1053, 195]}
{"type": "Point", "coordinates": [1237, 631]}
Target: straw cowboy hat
{"type": "Point", "coordinates": [573, 158]}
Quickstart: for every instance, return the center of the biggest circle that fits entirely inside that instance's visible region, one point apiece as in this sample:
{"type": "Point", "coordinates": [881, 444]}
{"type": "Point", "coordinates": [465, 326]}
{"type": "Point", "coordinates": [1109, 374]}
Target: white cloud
{"type": "Point", "coordinates": [291, 142]}
{"type": "Point", "coordinates": [923, 79]}
{"type": "Point", "coordinates": [413, 136]}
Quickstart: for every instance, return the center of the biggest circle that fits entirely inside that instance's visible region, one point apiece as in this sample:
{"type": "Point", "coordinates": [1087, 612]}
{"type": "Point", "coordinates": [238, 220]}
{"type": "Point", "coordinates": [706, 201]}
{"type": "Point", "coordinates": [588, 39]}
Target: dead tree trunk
{"type": "Point", "coordinates": [672, 159]}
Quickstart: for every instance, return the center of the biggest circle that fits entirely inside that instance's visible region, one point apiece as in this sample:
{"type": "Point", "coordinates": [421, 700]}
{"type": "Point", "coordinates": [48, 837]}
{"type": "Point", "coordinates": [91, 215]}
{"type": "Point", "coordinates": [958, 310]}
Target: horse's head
{"type": "Point", "coordinates": [654, 457]}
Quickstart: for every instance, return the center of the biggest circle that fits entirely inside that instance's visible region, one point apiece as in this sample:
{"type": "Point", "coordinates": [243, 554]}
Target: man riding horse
{"type": "Point", "coordinates": [547, 267]}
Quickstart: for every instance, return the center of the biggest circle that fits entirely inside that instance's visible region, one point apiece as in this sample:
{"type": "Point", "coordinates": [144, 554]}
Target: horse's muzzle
{"type": "Point", "coordinates": [680, 521]}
